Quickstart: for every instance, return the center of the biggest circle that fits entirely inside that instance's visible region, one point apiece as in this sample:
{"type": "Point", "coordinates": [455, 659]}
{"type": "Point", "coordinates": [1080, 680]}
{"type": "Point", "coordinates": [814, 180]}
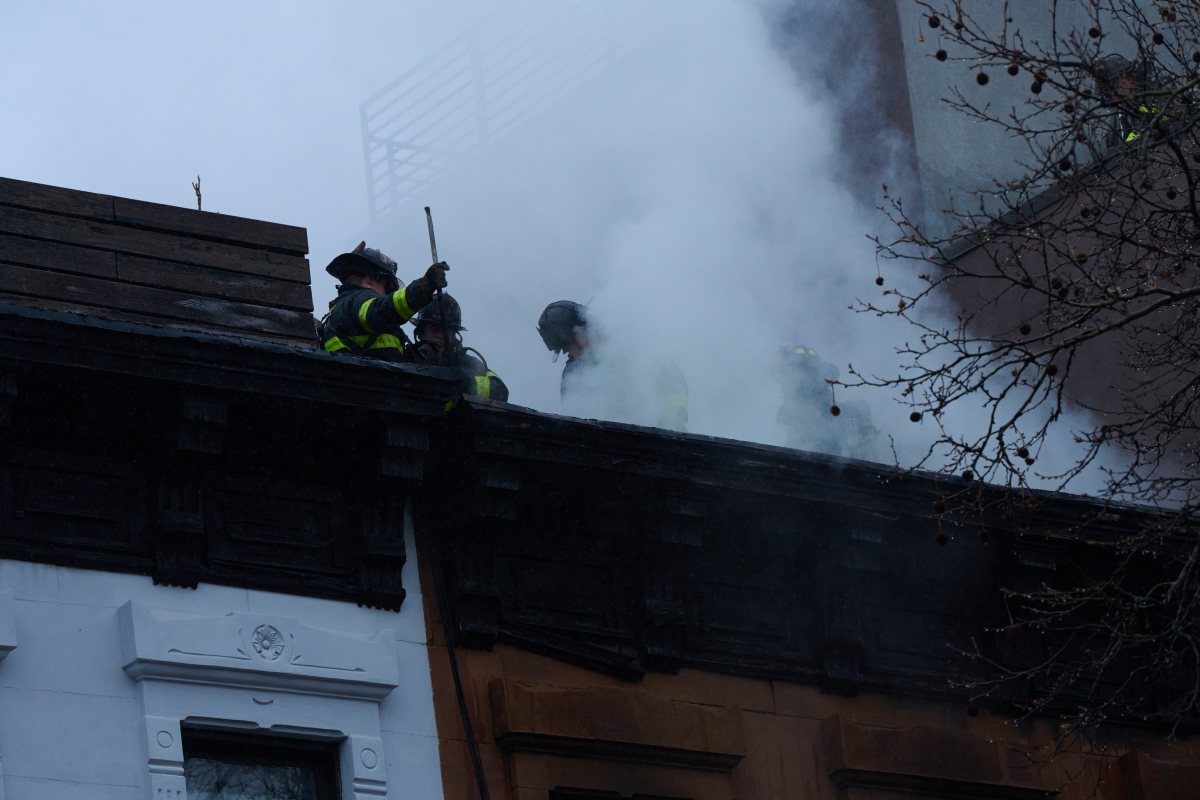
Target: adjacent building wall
{"type": "Point", "coordinates": [957, 154]}
{"type": "Point", "coordinates": [83, 701]}
{"type": "Point", "coordinates": [545, 726]}
{"type": "Point", "coordinates": [650, 616]}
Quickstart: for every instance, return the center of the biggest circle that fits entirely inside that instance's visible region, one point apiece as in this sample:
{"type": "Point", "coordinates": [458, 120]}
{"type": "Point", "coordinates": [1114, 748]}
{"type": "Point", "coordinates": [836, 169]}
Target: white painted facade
{"type": "Point", "coordinates": [98, 671]}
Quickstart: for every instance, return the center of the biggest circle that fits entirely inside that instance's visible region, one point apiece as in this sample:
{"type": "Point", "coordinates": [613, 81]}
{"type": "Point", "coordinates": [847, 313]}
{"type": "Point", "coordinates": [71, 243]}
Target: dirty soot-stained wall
{"type": "Point", "coordinates": [127, 259]}
{"type": "Point", "coordinates": [642, 615]}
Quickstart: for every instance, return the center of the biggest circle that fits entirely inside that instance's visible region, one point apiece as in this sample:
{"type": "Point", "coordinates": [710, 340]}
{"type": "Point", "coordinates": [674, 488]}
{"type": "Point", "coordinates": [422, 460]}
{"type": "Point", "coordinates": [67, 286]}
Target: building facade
{"type": "Point", "coordinates": [204, 532]}
{"type": "Point", "coordinates": [645, 615]}
{"type": "Point", "coordinates": [232, 565]}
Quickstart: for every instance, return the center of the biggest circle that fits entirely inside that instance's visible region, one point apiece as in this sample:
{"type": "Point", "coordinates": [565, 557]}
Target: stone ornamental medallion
{"type": "Point", "coordinates": [267, 642]}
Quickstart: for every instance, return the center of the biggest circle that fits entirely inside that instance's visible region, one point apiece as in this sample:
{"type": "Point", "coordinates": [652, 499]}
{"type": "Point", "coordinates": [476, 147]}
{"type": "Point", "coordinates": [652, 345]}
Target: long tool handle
{"type": "Point", "coordinates": [441, 306]}
{"type": "Point", "coordinates": [432, 239]}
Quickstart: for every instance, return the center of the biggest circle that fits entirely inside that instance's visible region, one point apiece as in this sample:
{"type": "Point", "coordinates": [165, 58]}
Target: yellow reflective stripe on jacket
{"type": "Point", "coordinates": [483, 385]}
{"type": "Point", "coordinates": [1147, 111]}
{"type": "Point", "coordinates": [383, 340]}
{"type": "Point", "coordinates": [400, 301]}
{"type": "Point", "coordinates": [362, 315]}
{"type": "Point", "coordinates": [387, 340]}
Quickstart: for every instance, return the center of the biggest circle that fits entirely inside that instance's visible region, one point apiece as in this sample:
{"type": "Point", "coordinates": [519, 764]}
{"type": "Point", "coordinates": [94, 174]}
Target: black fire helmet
{"type": "Point", "coordinates": [560, 323]}
{"type": "Point", "coordinates": [363, 260]}
{"type": "Point", "coordinates": [432, 314]}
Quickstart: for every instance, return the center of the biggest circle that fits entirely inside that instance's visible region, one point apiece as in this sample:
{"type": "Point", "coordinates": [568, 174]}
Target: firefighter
{"type": "Point", "coordinates": [371, 304]}
{"type": "Point", "coordinates": [1124, 86]}
{"type": "Point", "coordinates": [430, 348]}
{"type": "Point", "coordinates": [564, 328]}
{"type": "Point", "coordinates": [808, 411]}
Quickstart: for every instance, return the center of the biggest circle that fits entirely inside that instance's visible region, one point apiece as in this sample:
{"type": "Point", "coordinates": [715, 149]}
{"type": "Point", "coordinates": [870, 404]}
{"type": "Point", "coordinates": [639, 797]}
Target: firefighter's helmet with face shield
{"type": "Point", "coordinates": [368, 261]}
{"type": "Point", "coordinates": [560, 325]}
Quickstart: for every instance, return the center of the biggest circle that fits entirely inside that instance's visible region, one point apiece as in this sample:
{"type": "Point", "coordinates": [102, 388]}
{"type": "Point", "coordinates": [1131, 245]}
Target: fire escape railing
{"type": "Point", "coordinates": [480, 87]}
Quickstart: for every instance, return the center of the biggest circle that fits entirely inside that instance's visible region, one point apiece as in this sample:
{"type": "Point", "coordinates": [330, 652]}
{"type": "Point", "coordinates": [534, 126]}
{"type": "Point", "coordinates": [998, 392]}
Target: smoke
{"type": "Point", "coordinates": [694, 196]}
{"type": "Point", "coordinates": [707, 191]}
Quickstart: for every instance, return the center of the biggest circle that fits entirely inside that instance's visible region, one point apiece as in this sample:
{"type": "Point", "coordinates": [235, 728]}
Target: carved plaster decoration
{"type": "Point", "coordinates": [268, 642]}
{"type": "Point", "coordinates": [256, 651]}
{"type": "Point", "coordinates": [257, 673]}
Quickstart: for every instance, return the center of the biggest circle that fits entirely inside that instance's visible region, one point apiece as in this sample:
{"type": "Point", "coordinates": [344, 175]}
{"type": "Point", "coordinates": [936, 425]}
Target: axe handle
{"type": "Point", "coordinates": [432, 239]}
{"type": "Point", "coordinates": [441, 306]}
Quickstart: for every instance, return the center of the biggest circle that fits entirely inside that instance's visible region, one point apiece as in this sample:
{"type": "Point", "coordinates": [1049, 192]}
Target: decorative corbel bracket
{"type": "Point", "coordinates": [179, 552]}
{"type": "Point", "coordinates": [199, 436]}
{"type": "Point", "coordinates": [494, 504]}
{"type": "Point", "coordinates": [406, 445]}
{"type": "Point", "coordinates": [379, 572]}
{"type": "Point", "coordinates": [674, 524]}
{"type": "Point", "coordinates": [8, 398]}
{"type": "Point", "coordinates": [203, 425]}
{"type": "Point", "coordinates": [8, 623]}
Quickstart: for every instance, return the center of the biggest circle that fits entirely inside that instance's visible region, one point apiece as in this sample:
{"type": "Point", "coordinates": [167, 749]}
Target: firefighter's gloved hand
{"type": "Point", "coordinates": [435, 276]}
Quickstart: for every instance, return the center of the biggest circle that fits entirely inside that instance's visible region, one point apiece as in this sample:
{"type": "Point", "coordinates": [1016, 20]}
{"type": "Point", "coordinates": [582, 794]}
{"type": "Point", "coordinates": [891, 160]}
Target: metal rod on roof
{"type": "Point", "coordinates": [441, 306]}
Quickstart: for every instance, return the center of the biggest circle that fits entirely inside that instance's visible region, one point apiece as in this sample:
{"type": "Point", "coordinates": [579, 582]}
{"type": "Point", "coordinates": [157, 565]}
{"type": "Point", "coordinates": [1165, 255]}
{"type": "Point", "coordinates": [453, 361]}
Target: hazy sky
{"type": "Point", "coordinates": [690, 190]}
{"type": "Point", "coordinates": [261, 99]}
{"type": "Point", "coordinates": [688, 180]}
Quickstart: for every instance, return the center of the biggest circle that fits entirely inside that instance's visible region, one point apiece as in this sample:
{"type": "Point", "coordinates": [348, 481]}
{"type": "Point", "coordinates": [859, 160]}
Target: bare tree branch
{"type": "Point", "coordinates": [1075, 297]}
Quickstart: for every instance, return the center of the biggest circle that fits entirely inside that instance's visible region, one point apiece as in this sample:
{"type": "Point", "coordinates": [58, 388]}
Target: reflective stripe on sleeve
{"type": "Point", "coordinates": [362, 315]}
{"type": "Point", "coordinates": [400, 302]}
{"type": "Point", "coordinates": [387, 340]}
{"type": "Point", "coordinates": [382, 341]}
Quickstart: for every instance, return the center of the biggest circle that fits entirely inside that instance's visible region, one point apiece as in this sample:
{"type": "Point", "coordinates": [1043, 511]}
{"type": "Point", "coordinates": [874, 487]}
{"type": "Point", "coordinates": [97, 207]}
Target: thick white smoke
{"type": "Point", "coordinates": [697, 198]}
{"type": "Point", "coordinates": [692, 197]}
{"type": "Point", "coordinates": [694, 194]}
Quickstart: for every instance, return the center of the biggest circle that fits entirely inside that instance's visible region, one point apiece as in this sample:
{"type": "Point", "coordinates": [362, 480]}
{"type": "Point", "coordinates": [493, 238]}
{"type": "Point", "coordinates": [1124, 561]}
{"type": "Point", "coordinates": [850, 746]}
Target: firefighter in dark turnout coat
{"type": "Point", "coordinates": [563, 326]}
{"type": "Point", "coordinates": [813, 422]}
{"type": "Point", "coordinates": [430, 348]}
{"type": "Point", "coordinates": [371, 305]}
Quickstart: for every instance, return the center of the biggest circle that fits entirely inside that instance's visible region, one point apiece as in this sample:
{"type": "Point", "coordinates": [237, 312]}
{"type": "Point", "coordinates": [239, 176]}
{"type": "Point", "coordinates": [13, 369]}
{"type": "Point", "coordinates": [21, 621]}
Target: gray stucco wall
{"type": "Point", "coordinates": [957, 154]}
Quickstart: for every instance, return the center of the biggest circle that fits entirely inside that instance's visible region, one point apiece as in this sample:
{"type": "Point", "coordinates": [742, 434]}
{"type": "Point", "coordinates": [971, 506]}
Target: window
{"type": "Point", "coordinates": [201, 674]}
{"type": "Point", "coordinates": [220, 765]}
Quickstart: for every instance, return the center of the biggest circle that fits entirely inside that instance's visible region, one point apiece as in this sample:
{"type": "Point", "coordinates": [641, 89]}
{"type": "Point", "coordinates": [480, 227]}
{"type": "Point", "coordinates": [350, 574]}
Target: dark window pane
{"type": "Point", "coordinates": [208, 779]}
{"type": "Point", "coordinates": [220, 765]}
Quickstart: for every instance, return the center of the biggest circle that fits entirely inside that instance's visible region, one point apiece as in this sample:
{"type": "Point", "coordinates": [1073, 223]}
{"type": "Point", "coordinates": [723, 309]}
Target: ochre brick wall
{"type": "Point", "coordinates": [544, 725]}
